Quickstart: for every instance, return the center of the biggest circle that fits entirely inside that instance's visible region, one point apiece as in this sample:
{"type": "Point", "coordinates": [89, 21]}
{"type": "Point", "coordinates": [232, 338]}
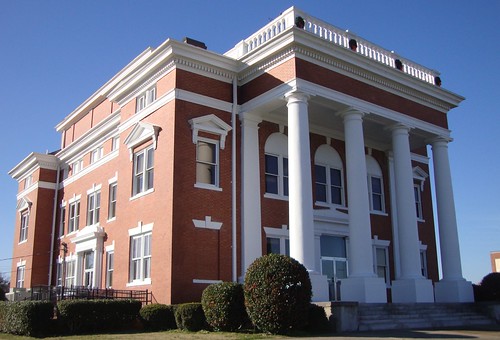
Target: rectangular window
{"type": "Point", "coordinates": [59, 274]}
{"type": "Point", "coordinates": [93, 207]}
{"type": "Point", "coordinates": [278, 245]}
{"type": "Point", "coordinates": [112, 201]}
{"type": "Point", "coordinates": [207, 171]}
{"type": "Point", "coordinates": [143, 170]}
{"type": "Point", "coordinates": [276, 173]}
{"type": "Point", "coordinates": [321, 185]}
{"type": "Point", "coordinates": [96, 154]}
{"type": "Point", "coordinates": [423, 263]}
{"type": "Point", "coordinates": [62, 222]}
{"type": "Point", "coordinates": [23, 234]}
{"type": "Point", "coordinates": [328, 188]}
{"type": "Point", "coordinates": [376, 191]}
{"type": "Point", "coordinates": [140, 257]}
{"type": "Point", "coordinates": [115, 143]}
{"type": "Point", "coordinates": [110, 259]}
{"type": "Point", "coordinates": [382, 265]}
{"type": "Point", "coordinates": [28, 181]}
{"type": "Point", "coordinates": [336, 186]}
{"type": "Point", "coordinates": [70, 279]}
{"type": "Point", "coordinates": [77, 166]}
{"type": "Point", "coordinates": [74, 216]}
{"type": "Point", "coordinates": [21, 271]}
{"type": "Point", "coordinates": [418, 202]}
{"type": "Point", "coordinates": [88, 269]}
{"type": "Point", "coordinates": [145, 99]}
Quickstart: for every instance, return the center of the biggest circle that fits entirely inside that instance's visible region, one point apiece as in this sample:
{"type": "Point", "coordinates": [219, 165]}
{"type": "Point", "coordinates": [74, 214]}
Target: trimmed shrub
{"type": "Point", "coordinates": [158, 317]}
{"type": "Point", "coordinates": [87, 316]}
{"type": "Point", "coordinates": [317, 322]}
{"type": "Point", "coordinates": [277, 294]}
{"type": "Point", "coordinates": [31, 318]}
{"type": "Point", "coordinates": [488, 289]}
{"type": "Point", "coordinates": [224, 306]}
{"type": "Point", "coordinates": [190, 317]}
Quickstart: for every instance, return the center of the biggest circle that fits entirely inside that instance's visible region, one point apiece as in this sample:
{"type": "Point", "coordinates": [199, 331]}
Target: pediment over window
{"type": "Point", "coordinates": [23, 204]}
{"type": "Point", "coordinates": [210, 124]}
{"type": "Point", "coordinates": [420, 175]}
{"type": "Point", "coordinates": [141, 133]}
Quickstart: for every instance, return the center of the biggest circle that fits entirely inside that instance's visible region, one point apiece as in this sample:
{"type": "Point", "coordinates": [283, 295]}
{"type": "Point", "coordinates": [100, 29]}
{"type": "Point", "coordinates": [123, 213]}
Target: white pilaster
{"type": "Point", "coordinates": [251, 235]}
{"type": "Point", "coordinates": [362, 285]}
{"type": "Point", "coordinates": [411, 285]}
{"type": "Point", "coordinates": [452, 287]}
{"type": "Point", "coordinates": [300, 201]}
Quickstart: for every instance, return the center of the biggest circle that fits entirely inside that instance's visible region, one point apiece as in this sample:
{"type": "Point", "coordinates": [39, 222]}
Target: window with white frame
{"type": "Point", "coordinates": [382, 263]}
{"type": "Point", "coordinates": [93, 207]}
{"type": "Point", "coordinates": [145, 98]}
{"type": "Point", "coordinates": [140, 257]}
{"type": "Point", "coordinates": [328, 171]}
{"type": "Point", "coordinates": [277, 240]}
{"type": "Point", "coordinates": [23, 233]}
{"type": "Point", "coordinates": [77, 166]}
{"type": "Point", "coordinates": [88, 269]}
{"type": "Point", "coordinates": [96, 154]}
{"type": "Point", "coordinates": [59, 274]}
{"type": "Point", "coordinates": [143, 170]}
{"type": "Point", "coordinates": [28, 181]}
{"type": "Point", "coordinates": [115, 143]}
{"type": "Point", "coordinates": [276, 165]}
{"type": "Point", "coordinates": [20, 276]}
{"type": "Point", "coordinates": [418, 202]}
{"type": "Point", "coordinates": [423, 263]}
{"type": "Point", "coordinates": [375, 185]}
{"type": "Point", "coordinates": [74, 216]}
{"type": "Point", "coordinates": [112, 200]}
{"type": "Point", "coordinates": [110, 259]}
{"type": "Point", "coordinates": [207, 162]}
{"type": "Point", "coordinates": [62, 222]}
{"type": "Point", "coordinates": [70, 279]}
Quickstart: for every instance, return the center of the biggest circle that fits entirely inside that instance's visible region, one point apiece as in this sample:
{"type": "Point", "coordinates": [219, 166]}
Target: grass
{"type": "Point", "coordinates": [173, 334]}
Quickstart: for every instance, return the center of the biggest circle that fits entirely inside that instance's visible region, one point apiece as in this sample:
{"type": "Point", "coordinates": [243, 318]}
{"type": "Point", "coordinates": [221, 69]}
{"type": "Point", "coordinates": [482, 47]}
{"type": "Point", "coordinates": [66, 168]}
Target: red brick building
{"type": "Point", "coordinates": [187, 165]}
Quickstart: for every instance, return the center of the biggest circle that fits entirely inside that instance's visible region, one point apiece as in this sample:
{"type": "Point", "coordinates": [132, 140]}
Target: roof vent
{"type": "Point", "coordinates": [195, 43]}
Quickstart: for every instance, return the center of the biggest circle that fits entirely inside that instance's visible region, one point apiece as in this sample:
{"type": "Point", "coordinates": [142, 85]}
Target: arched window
{"type": "Point", "coordinates": [375, 185]}
{"type": "Point", "coordinates": [328, 171]}
{"type": "Point", "coordinates": [276, 165]}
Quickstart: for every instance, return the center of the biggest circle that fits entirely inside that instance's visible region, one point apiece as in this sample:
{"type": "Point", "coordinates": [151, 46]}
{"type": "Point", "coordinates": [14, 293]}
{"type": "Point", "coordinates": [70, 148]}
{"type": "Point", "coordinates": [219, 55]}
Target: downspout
{"type": "Point", "coordinates": [233, 179]}
{"type": "Point", "coordinates": [54, 215]}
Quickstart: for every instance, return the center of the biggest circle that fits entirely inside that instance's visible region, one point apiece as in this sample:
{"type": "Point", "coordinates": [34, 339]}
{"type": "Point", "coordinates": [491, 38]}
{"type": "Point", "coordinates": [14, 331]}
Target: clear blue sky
{"type": "Point", "coordinates": [54, 54]}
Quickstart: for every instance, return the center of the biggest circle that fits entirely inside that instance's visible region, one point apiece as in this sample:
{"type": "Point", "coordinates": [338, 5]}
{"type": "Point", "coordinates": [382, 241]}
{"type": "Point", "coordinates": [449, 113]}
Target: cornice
{"type": "Point", "coordinates": [33, 162]}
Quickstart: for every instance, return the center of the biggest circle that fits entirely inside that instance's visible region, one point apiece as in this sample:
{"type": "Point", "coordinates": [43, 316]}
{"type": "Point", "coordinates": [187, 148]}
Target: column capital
{"type": "Point", "coordinates": [439, 141]}
{"type": "Point", "coordinates": [351, 113]}
{"type": "Point", "coordinates": [399, 128]}
{"type": "Point", "coordinates": [296, 96]}
{"type": "Point", "coordinates": [249, 118]}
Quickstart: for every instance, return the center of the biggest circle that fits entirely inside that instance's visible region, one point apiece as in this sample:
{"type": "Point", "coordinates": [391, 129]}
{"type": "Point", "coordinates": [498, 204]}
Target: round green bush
{"type": "Point", "coordinates": [277, 294]}
{"type": "Point", "coordinates": [490, 285]}
{"type": "Point", "coordinates": [158, 317]}
{"type": "Point", "coordinates": [224, 306]}
{"type": "Point", "coordinates": [318, 322]}
{"type": "Point", "coordinates": [190, 317]}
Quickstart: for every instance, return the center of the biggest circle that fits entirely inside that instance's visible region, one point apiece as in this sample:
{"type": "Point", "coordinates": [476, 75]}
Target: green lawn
{"type": "Point", "coordinates": [175, 334]}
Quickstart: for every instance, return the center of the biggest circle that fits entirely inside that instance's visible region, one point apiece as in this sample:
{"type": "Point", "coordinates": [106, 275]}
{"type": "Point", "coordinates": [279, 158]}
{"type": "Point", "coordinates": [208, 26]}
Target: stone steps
{"type": "Point", "coordinates": [373, 317]}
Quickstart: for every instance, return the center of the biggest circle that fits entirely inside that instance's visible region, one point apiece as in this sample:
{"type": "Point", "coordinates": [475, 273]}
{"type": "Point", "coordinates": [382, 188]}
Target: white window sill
{"type": "Point", "coordinates": [329, 205]}
{"type": "Point", "coordinates": [23, 241]}
{"type": "Point", "coordinates": [207, 186]}
{"type": "Point", "coordinates": [276, 197]}
{"type": "Point", "coordinates": [380, 213]}
{"type": "Point", "coordinates": [139, 283]}
{"type": "Point", "coordinates": [72, 233]}
{"type": "Point", "coordinates": [420, 220]}
{"type": "Point", "coordinates": [111, 220]}
{"type": "Point", "coordinates": [141, 194]}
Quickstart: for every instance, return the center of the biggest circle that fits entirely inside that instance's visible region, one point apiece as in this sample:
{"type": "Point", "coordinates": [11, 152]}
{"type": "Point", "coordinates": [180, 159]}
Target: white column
{"type": "Point", "coordinates": [300, 211]}
{"type": "Point", "coordinates": [411, 285]}
{"type": "Point", "coordinates": [362, 285]}
{"type": "Point", "coordinates": [251, 235]}
{"type": "Point", "coordinates": [452, 287]}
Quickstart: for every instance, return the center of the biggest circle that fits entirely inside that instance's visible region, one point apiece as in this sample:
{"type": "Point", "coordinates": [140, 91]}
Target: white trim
{"type": "Point", "coordinates": [140, 229]}
{"type": "Point", "coordinates": [139, 283]}
{"type": "Point", "coordinates": [207, 223]}
{"type": "Point", "coordinates": [207, 186]}
{"type": "Point", "coordinates": [208, 282]}
{"type": "Point", "coordinates": [141, 133]}
{"type": "Point", "coordinates": [21, 263]}
{"type": "Point", "coordinates": [210, 124]}
{"type": "Point", "coordinates": [144, 193]}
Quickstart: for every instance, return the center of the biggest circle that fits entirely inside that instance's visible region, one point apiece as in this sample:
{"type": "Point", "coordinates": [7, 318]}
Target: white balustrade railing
{"type": "Point", "coordinates": [334, 35]}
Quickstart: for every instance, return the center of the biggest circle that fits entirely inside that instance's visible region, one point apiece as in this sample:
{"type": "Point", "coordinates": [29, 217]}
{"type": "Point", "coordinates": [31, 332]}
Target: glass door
{"type": "Point", "coordinates": [334, 263]}
{"type": "Point", "coordinates": [88, 269]}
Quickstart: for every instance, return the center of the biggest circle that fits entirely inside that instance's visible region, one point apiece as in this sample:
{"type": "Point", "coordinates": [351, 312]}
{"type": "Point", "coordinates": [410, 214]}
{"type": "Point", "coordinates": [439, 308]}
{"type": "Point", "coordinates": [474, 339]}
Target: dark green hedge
{"type": "Point", "coordinates": [158, 317]}
{"type": "Point", "coordinates": [224, 306]}
{"type": "Point", "coordinates": [31, 318]}
{"type": "Point", "coordinates": [88, 316]}
{"type": "Point", "coordinates": [190, 317]}
{"type": "Point", "coordinates": [277, 294]}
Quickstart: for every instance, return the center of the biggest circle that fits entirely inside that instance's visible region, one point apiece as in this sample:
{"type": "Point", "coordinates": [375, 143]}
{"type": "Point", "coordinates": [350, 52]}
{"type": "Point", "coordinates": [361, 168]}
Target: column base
{"type": "Point", "coordinates": [363, 290]}
{"type": "Point", "coordinates": [319, 285]}
{"type": "Point", "coordinates": [454, 291]}
{"type": "Point", "coordinates": [412, 290]}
